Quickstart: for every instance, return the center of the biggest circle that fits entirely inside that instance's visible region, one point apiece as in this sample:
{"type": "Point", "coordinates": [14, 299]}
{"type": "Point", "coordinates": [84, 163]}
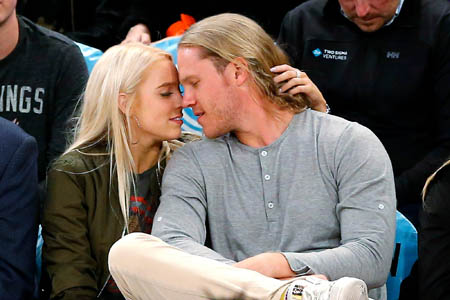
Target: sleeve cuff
{"type": "Point", "coordinates": [296, 265]}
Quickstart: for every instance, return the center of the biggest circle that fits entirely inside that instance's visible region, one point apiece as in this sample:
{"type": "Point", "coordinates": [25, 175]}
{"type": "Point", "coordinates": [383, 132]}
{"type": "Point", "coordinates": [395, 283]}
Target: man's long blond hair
{"type": "Point", "coordinates": [226, 37]}
{"type": "Point", "coordinates": [119, 70]}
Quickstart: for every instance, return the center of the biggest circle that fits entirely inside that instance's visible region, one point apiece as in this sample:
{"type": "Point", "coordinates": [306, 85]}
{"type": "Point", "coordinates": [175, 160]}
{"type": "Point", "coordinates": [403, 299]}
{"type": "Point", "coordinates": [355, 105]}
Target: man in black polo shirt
{"type": "Point", "coordinates": [386, 65]}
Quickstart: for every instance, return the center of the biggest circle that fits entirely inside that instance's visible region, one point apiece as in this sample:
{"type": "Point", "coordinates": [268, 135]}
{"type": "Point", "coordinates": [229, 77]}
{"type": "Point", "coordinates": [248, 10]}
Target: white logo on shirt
{"type": "Point", "coordinates": [21, 99]}
{"type": "Point", "coordinates": [330, 54]}
{"type": "Point", "coordinates": [393, 55]}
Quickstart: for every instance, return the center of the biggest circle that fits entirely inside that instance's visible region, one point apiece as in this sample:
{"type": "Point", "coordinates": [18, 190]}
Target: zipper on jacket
{"type": "Point", "coordinates": [104, 286]}
{"type": "Point", "coordinates": [109, 276]}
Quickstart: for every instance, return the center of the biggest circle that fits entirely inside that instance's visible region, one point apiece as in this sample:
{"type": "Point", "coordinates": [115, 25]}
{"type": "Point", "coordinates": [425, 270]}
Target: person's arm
{"type": "Point", "coordinates": [181, 218]}
{"type": "Point", "coordinates": [71, 81]}
{"type": "Point", "coordinates": [18, 222]}
{"type": "Point", "coordinates": [67, 249]}
{"type": "Point", "coordinates": [434, 238]}
{"type": "Point", "coordinates": [270, 264]}
{"type": "Point", "coordinates": [365, 209]}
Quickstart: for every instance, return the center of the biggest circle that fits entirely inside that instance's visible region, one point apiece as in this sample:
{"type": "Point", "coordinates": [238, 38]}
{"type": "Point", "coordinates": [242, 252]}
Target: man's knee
{"type": "Point", "coordinates": [125, 249]}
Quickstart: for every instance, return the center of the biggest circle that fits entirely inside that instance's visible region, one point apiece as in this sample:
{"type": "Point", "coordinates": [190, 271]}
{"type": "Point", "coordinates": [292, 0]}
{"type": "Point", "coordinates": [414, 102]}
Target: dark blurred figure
{"type": "Point", "coordinates": [103, 23]}
{"type": "Point", "coordinates": [18, 212]}
{"type": "Point", "coordinates": [386, 65]}
{"type": "Point", "coordinates": [434, 238]}
{"type": "Point", "coordinates": [42, 76]}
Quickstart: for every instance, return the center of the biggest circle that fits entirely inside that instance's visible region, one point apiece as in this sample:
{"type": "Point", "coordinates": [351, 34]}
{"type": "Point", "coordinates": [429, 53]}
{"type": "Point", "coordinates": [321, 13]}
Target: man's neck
{"type": "Point", "coordinates": [263, 125]}
{"type": "Point", "coordinates": [9, 35]}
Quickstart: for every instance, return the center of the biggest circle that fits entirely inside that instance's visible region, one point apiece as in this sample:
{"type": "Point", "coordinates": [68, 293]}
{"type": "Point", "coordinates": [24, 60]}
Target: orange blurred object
{"type": "Point", "coordinates": [179, 27]}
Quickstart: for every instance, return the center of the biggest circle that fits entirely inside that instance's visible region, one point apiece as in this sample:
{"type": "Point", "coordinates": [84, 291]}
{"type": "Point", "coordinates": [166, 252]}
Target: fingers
{"type": "Point", "coordinates": [321, 276]}
{"type": "Point", "coordinates": [142, 38]}
{"type": "Point", "coordinates": [145, 38]}
{"type": "Point", "coordinates": [281, 68]}
{"type": "Point", "coordinates": [287, 72]}
{"type": "Point", "coordinates": [289, 75]}
{"type": "Point", "coordinates": [292, 83]}
{"type": "Point", "coordinates": [129, 39]}
{"type": "Point", "coordinates": [138, 33]}
{"type": "Point", "coordinates": [300, 89]}
{"type": "Point", "coordinates": [292, 80]}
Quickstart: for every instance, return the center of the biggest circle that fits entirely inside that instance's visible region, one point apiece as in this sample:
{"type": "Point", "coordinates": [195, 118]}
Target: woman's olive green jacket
{"type": "Point", "coordinates": [81, 221]}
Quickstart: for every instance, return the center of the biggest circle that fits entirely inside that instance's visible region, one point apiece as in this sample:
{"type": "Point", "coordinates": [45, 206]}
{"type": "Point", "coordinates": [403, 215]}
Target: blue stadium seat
{"type": "Point", "coordinates": [405, 255]}
{"type": "Point", "coordinates": [91, 55]}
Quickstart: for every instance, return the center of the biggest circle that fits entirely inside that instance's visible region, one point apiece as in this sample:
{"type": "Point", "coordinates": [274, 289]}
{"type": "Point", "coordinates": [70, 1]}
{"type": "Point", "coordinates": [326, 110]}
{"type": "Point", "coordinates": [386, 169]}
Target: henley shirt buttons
{"type": "Point", "coordinates": [264, 153]}
{"type": "Point", "coordinates": [270, 205]}
{"type": "Point", "coordinates": [267, 177]}
{"type": "Point", "coordinates": [381, 206]}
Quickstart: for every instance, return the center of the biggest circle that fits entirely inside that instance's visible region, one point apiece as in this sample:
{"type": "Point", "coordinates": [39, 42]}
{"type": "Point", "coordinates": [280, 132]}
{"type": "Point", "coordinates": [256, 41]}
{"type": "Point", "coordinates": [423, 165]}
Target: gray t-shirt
{"type": "Point", "coordinates": [144, 201]}
{"type": "Point", "coordinates": [322, 194]}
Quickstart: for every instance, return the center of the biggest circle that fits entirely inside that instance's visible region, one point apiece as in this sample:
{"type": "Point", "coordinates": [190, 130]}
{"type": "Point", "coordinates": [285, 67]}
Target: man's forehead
{"type": "Point", "coordinates": [189, 60]}
{"type": "Point", "coordinates": [188, 54]}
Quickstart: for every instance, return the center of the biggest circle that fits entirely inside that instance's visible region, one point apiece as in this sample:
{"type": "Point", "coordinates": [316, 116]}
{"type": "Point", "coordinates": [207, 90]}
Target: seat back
{"type": "Point", "coordinates": [90, 54]}
{"type": "Point", "coordinates": [405, 255]}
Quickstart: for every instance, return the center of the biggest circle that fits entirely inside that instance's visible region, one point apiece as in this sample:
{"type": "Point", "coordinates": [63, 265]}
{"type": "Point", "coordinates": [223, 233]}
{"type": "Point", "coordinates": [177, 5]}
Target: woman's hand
{"type": "Point", "coordinates": [298, 82]}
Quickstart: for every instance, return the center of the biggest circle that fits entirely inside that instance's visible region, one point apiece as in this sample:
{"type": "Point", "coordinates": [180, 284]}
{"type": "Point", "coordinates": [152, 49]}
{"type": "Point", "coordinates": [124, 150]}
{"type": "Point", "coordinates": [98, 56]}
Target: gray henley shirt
{"type": "Point", "coordinates": [322, 194]}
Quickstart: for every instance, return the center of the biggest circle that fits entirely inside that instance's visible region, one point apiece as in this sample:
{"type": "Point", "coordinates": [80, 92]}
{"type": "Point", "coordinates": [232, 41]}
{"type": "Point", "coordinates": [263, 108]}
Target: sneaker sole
{"type": "Point", "coordinates": [348, 288]}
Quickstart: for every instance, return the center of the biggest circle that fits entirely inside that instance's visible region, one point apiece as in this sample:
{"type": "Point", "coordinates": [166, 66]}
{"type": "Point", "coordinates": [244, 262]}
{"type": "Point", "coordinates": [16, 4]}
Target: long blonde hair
{"type": "Point", "coordinates": [429, 179]}
{"type": "Point", "coordinates": [119, 70]}
{"type": "Point", "coordinates": [226, 37]}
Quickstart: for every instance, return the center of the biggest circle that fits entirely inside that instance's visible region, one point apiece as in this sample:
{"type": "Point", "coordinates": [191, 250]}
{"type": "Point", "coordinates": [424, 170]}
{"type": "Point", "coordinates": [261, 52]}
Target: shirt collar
{"type": "Point", "coordinates": [397, 12]}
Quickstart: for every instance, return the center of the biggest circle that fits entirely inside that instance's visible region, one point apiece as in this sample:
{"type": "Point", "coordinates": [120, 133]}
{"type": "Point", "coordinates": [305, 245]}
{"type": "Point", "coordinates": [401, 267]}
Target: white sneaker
{"type": "Point", "coordinates": [313, 288]}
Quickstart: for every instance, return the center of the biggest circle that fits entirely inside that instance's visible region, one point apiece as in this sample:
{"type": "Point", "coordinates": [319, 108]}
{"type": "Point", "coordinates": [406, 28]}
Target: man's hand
{"type": "Point", "coordinates": [138, 33]}
{"type": "Point", "coordinates": [273, 265]}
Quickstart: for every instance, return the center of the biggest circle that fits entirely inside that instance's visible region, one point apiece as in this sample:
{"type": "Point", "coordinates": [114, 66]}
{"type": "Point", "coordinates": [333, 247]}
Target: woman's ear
{"type": "Point", "coordinates": [123, 101]}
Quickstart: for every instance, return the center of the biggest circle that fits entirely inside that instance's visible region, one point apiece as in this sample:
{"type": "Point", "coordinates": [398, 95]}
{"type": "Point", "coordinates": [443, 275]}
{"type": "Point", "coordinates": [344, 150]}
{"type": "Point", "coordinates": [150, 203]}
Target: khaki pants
{"type": "Point", "coordinates": [144, 267]}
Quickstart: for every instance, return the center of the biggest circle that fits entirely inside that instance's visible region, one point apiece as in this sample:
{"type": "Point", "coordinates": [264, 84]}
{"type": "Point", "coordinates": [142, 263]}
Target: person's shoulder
{"type": "Point", "coordinates": [329, 127]}
{"type": "Point", "coordinates": [203, 147]}
{"type": "Point", "coordinates": [46, 37]}
{"type": "Point", "coordinates": [328, 121]}
{"type": "Point", "coordinates": [11, 133]}
{"type": "Point", "coordinates": [309, 7]}
{"type": "Point", "coordinates": [16, 145]}
{"type": "Point", "coordinates": [437, 6]}
{"type": "Point", "coordinates": [82, 161]}
{"type": "Point", "coordinates": [434, 11]}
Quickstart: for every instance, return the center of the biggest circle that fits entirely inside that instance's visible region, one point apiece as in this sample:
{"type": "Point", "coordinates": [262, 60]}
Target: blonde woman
{"type": "Point", "coordinates": [434, 236]}
{"type": "Point", "coordinates": [106, 184]}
